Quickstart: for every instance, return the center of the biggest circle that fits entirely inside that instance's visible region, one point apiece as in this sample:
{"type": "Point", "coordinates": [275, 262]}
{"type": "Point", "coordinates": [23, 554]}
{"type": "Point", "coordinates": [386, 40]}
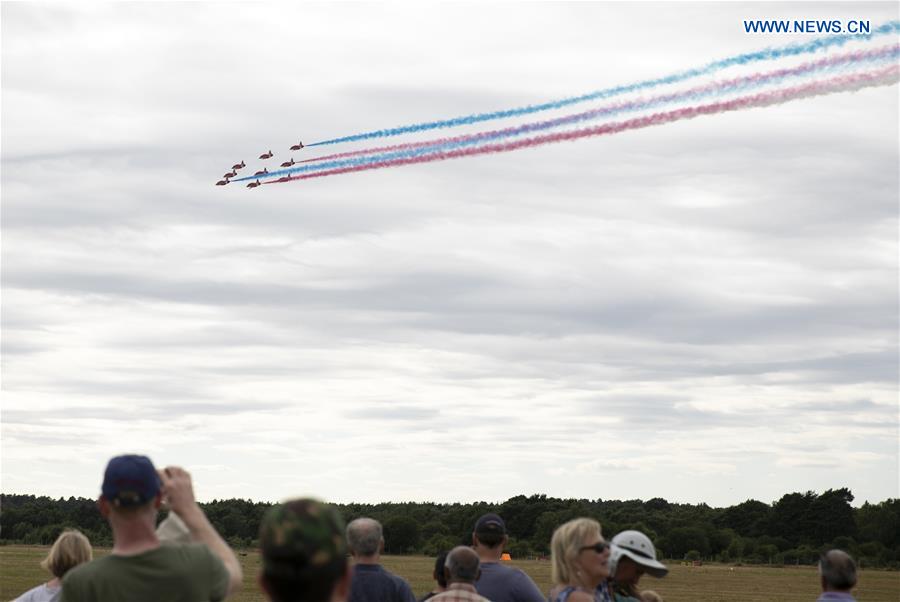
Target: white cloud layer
{"type": "Point", "coordinates": [705, 311]}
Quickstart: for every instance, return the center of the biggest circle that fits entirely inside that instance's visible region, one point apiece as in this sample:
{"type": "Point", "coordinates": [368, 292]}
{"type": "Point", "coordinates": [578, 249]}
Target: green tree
{"type": "Point", "coordinates": [401, 535]}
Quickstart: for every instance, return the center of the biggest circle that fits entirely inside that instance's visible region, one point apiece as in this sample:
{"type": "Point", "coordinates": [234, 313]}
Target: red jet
{"type": "Point", "coordinates": [288, 163]}
{"type": "Point", "coordinates": [297, 146]}
{"type": "Point", "coordinates": [222, 182]}
{"type": "Point", "coordinates": [284, 179]}
{"type": "Point", "coordinates": [267, 155]}
{"type": "Point", "coordinates": [254, 184]}
{"type": "Point", "coordinates": [230, 174]}
{"type": "Point", "coordinates": [238, 165]}
{"type": "Point", "coordinates": [262, 172]}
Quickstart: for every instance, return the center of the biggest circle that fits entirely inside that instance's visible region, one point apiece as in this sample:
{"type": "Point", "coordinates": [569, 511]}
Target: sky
{"type": "Point", "coordinates": [705, 311]}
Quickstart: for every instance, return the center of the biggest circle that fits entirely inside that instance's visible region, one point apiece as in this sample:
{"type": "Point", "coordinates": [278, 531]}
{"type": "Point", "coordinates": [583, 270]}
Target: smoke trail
{"type": "Point", "coordinates": [693, 94]}
{"type": "Point", "coordinates": [415, 149]}
{"type": "Point", "coordinates": [741, 59]}
{"type": "Point", "coordinates": [847, 83]}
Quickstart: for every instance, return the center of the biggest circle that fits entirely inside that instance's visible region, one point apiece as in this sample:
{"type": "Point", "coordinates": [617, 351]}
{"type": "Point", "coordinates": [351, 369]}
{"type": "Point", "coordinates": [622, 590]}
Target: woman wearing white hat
{"type": "Point", "coordinates": [632, 555]}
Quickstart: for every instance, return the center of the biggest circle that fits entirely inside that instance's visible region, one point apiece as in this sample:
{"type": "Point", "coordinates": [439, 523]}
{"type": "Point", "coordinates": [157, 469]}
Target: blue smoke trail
{"type": "Point", "coordinates": [736, 85]}
{"type": "Point", "coordinates": [741, 59]}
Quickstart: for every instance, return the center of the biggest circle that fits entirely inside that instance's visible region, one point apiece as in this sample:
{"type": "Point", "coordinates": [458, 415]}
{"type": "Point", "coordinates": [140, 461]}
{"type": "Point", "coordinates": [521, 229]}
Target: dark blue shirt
{"type": "Point", "coordinates": [500, 583]}
{"type": "Point", "coordinates": [371, 583]}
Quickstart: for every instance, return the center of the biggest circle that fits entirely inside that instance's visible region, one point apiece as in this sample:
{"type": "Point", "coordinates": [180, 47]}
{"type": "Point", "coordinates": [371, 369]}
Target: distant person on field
{"type": "Point", "coordinates": [438, 575]}
{"type": "Point", "coordinates": [838, 576]}
{"type": "Point", "coordinates": [371, 582]}
{"type": "Point", "coordinates": [69, 550]}
{"type": "Point", "coordinates": [140, 569]}
{"type": "Point", "coordinates": [500, 583]}
{"type": "Point", "coordinates": [461, 570]}
{"type": "Point", "coordinates": [304, 553]}
{"type": "Point", "coordinates": [631, 555]}
{"type": "Point", "coordinates": [580, 562]}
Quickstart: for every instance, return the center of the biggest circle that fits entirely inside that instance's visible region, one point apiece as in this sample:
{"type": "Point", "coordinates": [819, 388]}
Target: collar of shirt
{"type": "Point", "coordinates": [837, 596]}
{"type": "Point", "coordinates": [466, 587]}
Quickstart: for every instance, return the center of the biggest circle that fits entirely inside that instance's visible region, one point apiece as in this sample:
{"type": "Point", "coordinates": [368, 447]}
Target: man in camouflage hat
{"type": "Point", "coordinates": [304, 553]}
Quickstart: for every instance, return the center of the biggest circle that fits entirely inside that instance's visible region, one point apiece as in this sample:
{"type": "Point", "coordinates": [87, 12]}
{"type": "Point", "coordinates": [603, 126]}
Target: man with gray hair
{"type": "Point", "coordinates": [838, 575]}
{"type": "Point", "coordinates": [371, 582]}
{"type": "Point", "coordinates": [461, 569]}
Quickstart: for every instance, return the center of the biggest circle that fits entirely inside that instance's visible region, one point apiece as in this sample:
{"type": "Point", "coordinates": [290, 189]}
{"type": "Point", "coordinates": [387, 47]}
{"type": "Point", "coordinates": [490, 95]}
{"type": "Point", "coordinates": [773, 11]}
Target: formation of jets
{"type": "Point", "coordinates": [226, 179]}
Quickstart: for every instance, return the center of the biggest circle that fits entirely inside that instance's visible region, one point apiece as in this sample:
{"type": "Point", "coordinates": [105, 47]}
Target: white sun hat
{"type": "Point", "coordinates": [639, 548]}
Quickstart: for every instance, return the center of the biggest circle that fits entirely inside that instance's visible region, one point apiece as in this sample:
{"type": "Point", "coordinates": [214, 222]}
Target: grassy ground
{"type": "Point", "coordinates": [20, 570]}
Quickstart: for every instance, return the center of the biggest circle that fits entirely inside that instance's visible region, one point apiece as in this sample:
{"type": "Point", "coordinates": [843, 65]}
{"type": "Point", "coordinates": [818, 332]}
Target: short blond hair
{"type": "Point", "coordinates": [69, 550]}
{"type": "Point", "coordinates": [565, 544]}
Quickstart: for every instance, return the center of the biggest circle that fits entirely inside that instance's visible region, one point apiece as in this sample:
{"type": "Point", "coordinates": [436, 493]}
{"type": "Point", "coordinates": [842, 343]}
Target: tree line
{"type": "Point", "coordinates": [792, 530]}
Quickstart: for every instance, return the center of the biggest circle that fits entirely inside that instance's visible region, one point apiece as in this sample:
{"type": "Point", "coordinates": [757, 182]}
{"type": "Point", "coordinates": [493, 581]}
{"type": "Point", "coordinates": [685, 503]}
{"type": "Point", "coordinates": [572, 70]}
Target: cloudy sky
{"type": "Point", "coordinates": [705, 311]}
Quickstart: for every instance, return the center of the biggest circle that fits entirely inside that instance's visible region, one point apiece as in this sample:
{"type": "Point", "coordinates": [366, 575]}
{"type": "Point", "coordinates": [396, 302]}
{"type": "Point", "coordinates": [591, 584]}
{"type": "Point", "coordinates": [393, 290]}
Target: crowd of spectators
{"type": "Point", "coordinates": [308, 555]}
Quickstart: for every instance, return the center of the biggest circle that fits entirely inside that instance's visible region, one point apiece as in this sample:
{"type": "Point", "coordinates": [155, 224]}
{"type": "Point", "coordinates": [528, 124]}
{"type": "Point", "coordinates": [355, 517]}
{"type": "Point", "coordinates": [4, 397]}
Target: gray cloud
{"type": "Point", "coordinates": [722, 287]}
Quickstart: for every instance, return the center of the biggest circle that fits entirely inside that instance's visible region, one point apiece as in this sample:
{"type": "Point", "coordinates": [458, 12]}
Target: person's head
{"type": "Point", "coordinates": [439, 570]}
{"type": "Point", "coordinates": [462, 565]}
{"type": "Point", "coordinates": [631, 555]}
{"type": "Point", "coordinates": [69, 550]}
{"type": "Point", "coordinates": [579, 554]}
{"type": "Point", "coordinates": [365, 538]}
{"type": "Point", "coordinates": [837, 571]}
{"type": "Point", "coordinates": [304, 553]}
{"type": "Point", "coordinates": [490, 533]}
{"type": "Point", "coordinates": [130, 490]}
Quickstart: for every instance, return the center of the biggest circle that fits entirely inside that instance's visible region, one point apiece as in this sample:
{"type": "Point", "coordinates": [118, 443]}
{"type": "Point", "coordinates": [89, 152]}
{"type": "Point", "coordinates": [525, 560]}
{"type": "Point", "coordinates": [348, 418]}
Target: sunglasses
{"type": "Point", "coordinates": [599, 547]}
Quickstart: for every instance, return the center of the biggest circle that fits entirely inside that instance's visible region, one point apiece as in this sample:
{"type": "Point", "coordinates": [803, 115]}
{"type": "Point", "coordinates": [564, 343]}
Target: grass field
{"type": "Point", "coordinates": [20, 570]}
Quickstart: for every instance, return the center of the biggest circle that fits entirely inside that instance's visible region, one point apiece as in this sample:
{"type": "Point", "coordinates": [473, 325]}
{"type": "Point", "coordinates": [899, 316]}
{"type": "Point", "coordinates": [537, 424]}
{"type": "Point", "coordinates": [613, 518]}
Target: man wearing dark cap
{"type": "Point", "coordinates": [139, 568]}
{"type": "Point", "coordinates": [837, 573]}
{"type": "Point", "coordinates": [500, 583]}
{"type": "Point", "coordinates": [304, 554]}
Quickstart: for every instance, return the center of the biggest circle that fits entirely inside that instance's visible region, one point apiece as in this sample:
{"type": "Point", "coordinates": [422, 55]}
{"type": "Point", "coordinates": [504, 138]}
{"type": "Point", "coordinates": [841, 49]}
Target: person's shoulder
{"type": "Point", "coordinates": [580, 596]}
{"type": "Point", "coordinates": [35, 594]}
{"type": "Point", "coordinates": [497, 568]}
{"type": "Point", "coordinates": [88, 569]}
{"type": "Point", "coordinates": [400, 581]}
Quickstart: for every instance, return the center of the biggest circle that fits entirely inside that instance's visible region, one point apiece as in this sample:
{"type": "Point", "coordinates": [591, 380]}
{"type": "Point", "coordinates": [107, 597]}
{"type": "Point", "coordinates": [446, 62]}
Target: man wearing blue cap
{"type": "Point", "coordinates": [139, 568]}
{"type": "Point", "coordinates": [500, 583]}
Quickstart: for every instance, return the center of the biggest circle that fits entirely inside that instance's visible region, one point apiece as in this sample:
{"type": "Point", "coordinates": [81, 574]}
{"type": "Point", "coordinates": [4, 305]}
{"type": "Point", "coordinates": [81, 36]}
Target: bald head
{"type": "Point", "coordinates": [462, 565]}
{"type": "Point", "coordinates": [838, 571]}
{"type": "Point", "coordinates": [364, 537]}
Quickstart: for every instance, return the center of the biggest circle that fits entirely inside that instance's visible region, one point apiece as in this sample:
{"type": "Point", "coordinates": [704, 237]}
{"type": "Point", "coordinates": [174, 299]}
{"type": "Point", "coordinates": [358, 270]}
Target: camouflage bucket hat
{"type": "Point", "coordinates": [301, 536]}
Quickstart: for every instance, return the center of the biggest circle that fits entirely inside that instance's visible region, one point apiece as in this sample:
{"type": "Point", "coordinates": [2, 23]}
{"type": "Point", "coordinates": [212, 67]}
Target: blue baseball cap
{"type": "Point", "coordinates": [130, 480]}
{"type": "Point", "coordinates": [490, 523]}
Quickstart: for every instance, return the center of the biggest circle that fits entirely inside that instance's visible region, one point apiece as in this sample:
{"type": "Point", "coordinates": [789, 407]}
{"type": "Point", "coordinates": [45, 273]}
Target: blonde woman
{"type": "Point", "coordinates": [580, 559]}
{"type": "Point", "coordinates": [69, 550]}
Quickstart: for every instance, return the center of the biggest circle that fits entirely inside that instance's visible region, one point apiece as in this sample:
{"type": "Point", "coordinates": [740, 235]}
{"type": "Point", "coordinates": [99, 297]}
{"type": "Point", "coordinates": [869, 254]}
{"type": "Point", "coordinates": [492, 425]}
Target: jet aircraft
{"type": "Point", "coordinates": [254, 184]}
{"type": "Point", "coordinates": [267, 155]}
{"type": "Point", "coordinates": [288, 163]}
{"type": "Point", "coordinates": [297, 146]}
{"type": "Point", "coordinates": [238, 165]}
{"type": "Point", "coordinates": [262, 172]}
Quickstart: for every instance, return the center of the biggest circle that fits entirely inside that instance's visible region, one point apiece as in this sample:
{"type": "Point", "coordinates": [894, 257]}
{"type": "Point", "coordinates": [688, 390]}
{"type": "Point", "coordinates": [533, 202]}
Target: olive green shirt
{"type": "Point", "coordinates": [189, 573]}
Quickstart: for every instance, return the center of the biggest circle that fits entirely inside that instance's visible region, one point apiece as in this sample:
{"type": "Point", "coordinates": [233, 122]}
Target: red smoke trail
{"type": "Point", "coordinates": [718, 88]}
{"type": "Point", "coordinates": [846, 83]}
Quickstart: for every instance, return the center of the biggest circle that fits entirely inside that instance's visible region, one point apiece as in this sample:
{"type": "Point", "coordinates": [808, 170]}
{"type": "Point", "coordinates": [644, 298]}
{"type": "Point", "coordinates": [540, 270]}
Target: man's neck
{"type": "Point", "coordinates": [367, 559]}
{"type": "Point", "coordinates": [133, 537]}
{"type": "Point", "coordinates": [486, 554]}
